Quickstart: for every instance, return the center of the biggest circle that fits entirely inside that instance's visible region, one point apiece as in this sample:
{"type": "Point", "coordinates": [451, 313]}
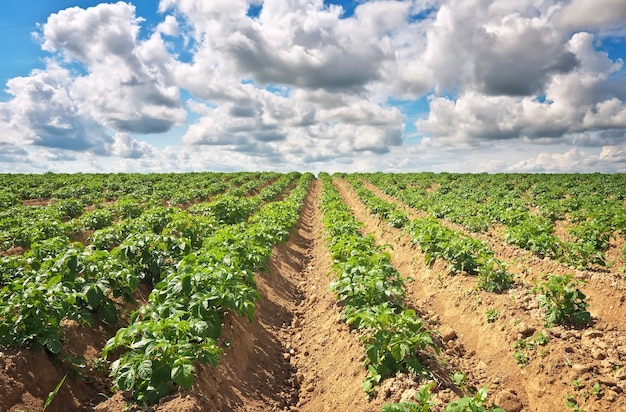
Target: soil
{"type": "Point", "coordinates": [298, 355]}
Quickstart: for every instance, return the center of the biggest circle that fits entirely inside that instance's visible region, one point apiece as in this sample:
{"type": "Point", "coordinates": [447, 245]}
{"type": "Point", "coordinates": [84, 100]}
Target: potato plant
{"type": "Point", "coordinates": [564, 303]}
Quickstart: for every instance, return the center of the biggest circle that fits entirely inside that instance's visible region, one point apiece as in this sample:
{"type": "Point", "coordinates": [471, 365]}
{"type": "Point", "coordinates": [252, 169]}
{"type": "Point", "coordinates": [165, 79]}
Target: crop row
{"type": "Point", "coordinates": [23, 225]}
{"type": "Point", "coordinates": [372, 291]}
{"type": "Point", "coordinates": [175, 189]}
{"type": "Point", "coordinates": [183, 319]}
{"type": "Point", "coordinates": [56, 279]}
{"type": "Point", "coordinates": [528, 208]}
{"type": "Point", "coordinates": [463, 253]}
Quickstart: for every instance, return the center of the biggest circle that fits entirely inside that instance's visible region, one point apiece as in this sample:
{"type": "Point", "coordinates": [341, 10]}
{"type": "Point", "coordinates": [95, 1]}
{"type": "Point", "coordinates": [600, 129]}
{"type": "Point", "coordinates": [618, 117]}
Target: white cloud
{"type": "Point", "coordinates": [576, 103]}
{"type": "Point", "coordinates": [600, 15]}
{"type": "Point", "coordinates": [128, 82]}
{"type": "Point", "coordinates": [169, 26]}
{"type": "Point", "coordinates": [43, 112]}
{"type": "Point", "coordinates": [301, 86]}
{"type": "Point", "coordinates": [610, 159]}
{"type": "Point", "coordinates": [126, 147]}
{"type": "Point", "coordinates": [497, 48]}
{"type": "Point", "coordinates": [11, 156]}
{"type": "Point", "coordinates": [552, 162]}
{"type": "Point", "coordinates": [287, 127]}
{"type": "Point", "coordinates": [93, 35]}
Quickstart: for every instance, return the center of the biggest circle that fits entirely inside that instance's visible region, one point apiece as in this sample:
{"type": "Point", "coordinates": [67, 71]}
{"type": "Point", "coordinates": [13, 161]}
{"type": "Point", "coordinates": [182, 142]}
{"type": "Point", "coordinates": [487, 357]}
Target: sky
{"type": "Point", "coordinates": [313, 85]}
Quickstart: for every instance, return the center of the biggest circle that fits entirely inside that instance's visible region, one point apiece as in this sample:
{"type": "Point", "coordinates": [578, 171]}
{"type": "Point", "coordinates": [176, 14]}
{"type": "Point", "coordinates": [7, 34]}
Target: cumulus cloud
{"type": "Point", "coordinates": [92, 35]}
{"type": "Point", "coordinates": [169, 26]}
{"type": "Point", "coordinates": [552, 162]}
{"type": "Point", "coordinates": [573, 105]}
{"type": "Point", "coordinates": [610, 159]}
{"type": "Point", "coordinates": [297, 83]}
{"type": "Point", "coordinates": [312, 125]}
{"type": "Point", "coordinates": [43, 112]}
{"type": "Point", "coordinates": [594, 15]}
{"type": "Point", "coordinates": [123, 84]}
{"type": "Point", "coordinates": [10, 154]}
{"type": "Point", "coordinates": [128, 85]}
{"type": "Point", "coordinates": [497, 48]}
{"type": "Point", "coordinates": [296, 43]}
{"type": "Point", "coordinates": [126, 147]}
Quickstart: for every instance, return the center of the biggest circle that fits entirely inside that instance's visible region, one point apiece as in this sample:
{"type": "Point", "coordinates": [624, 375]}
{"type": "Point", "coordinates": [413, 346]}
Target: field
{"type": "Point", "coordinates": [286, 292]}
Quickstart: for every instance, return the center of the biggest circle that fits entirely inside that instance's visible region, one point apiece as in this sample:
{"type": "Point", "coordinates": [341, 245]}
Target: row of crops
{"type": "Point", "coordinates": [198, 260]}
{"type": "Point", "coordinates": [372, 291]}
{"type": "Point", "coordinates": [568, 218]}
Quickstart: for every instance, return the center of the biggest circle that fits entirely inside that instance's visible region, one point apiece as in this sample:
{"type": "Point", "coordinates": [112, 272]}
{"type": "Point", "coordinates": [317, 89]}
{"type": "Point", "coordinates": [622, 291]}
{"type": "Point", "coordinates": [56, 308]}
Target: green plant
{"type": "Point", "coordinates": [473, 404]}
{"type": "Point", "coordinates": [596, 390]}
{"type": "Point", "coordinates": [492, 315]}
{"type": "Point", "coordinates": [572, 403]}
{"type": "Point", "coordinates": [422, 402]}
{"type": "Point", "coordinates": [493, 275]}
{"type": "Point", "coordinates": [459, 378]}
{"type": "Point", "coordinates": [563, 302]}
{"type": "Point", "coordinates": [521, 357]}
{"type": "Point", "coordinates": [523, 347]}
{"type": "Point", "coordinates": [53, 394]}
{"type": "Point", "coordinates": [391, 341]}
{"type": "Point", "coordinates": [542, 339]}
{"type": "Point", "coordinates": [372, 291]}
{"type": "Point", "coordinates": [179, 326]}
{"type": "Point", "coordinates": [95, 219]}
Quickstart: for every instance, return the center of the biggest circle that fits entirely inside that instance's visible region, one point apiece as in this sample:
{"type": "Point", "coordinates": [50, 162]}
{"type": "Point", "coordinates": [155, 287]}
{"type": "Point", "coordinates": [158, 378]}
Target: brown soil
{"type": "Point", "coordinates": [37, 202]}
{"type": "Point", "coordinates": [298, 355]}
{"type": "Point", "coordinates": [13, 250]}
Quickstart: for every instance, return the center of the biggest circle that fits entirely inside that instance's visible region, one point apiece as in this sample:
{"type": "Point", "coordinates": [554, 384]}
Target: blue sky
{"type": "Point", "coordinates": [182, 85]}
{"type": "Point", "coordinates": [18, 20]}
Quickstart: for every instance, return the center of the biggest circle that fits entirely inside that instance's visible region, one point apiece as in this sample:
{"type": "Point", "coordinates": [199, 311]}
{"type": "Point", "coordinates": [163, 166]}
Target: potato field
{"type": "Point", "coordinates": [289, 292]}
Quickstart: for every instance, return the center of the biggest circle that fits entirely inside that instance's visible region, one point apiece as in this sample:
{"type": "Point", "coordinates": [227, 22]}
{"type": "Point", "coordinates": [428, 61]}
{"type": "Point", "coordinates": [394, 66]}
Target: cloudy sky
{"type": "Point", "coordinates": [313, 85]}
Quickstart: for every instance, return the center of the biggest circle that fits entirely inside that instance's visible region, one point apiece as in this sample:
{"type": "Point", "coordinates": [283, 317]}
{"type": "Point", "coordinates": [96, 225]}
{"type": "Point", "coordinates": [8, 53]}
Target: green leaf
{"type": "Point", "coordinates": [141, 343]}
{"type": "Point", "coordinates": [53, 344]}
{"type": "Point", "coordinates": [144, 370]}
{"type": "Point", "coordinates": [53, 394]}
{"type": "Point", "coordinates": [372, 353]}
{"type": "Point", "coordinates": [126, 380]}
{"type": "Point", "coordinates": [94, 296]}
{"type": "Point", "coordinates": [54, 280]}
{"type": "Point", "coordinates": [107, 312]}
{"type": "Point", "coordinates": [154, 393]}
{"type": "Point", "coordinates": [182, 373]}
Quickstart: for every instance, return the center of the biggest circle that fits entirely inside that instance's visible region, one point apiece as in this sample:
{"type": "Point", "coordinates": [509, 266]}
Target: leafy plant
{"type": "Point", "coordinates": [473, 404]}
{"type": "Point", "coordinates": [524, 347]}
{"type": "Point", "coordinates": [422, 402]}
{"type": "Point", "coordinates": [572, 403]}
{"type": "Point", "coordinates": [95, 219]}
{"type": "Point", "coordinates": [371, 289]}
{"type": "Point", "coordinates": [493, 275]}
{"type": "Point", "coordinates": [179, 327]}
{"type": "Point", "coordinates": [563, 301]}
{"type": "Point", "coordinates": [492, 315]}
{"type": "Point", "coordinates": [521, 357]}
{"type": "Point", "coordinates": [391, 341]}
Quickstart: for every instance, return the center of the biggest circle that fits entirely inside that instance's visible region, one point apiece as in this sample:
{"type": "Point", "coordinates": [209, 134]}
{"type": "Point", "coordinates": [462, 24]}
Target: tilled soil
{"type": "Point", "coordinates": [298, 355]}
